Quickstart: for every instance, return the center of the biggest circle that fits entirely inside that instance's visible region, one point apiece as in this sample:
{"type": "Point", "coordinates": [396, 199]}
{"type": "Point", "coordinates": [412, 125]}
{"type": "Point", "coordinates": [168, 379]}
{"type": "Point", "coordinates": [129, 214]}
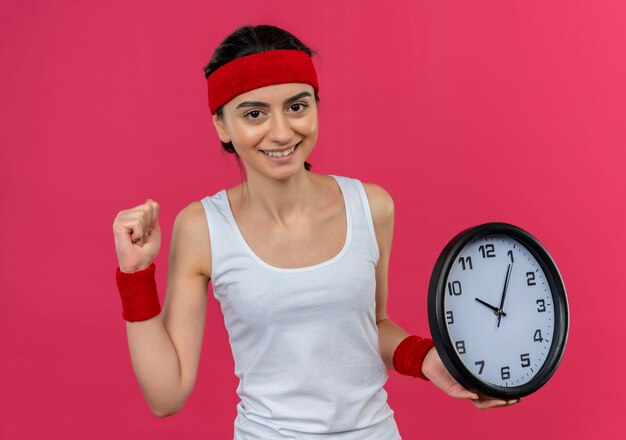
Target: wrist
{"type": "Point", "coordinates": [138, 292]}
{"type": "Point", "coordinates": [134, 269]}
{"type": "Point", "coordinates": [408, 358]}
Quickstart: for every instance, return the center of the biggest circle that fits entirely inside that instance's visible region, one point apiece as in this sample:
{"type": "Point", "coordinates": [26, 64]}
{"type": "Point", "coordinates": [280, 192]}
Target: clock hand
{"type": "Point", "coordinates": [496, 310]}
{"type": "Point", "coordinates": [506, 284]}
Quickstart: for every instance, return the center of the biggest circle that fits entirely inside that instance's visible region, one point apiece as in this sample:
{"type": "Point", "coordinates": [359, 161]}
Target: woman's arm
{"type": "Point", "coordinates": [391, 334]}
{"type": "Point", "coordinates": [165, 350]}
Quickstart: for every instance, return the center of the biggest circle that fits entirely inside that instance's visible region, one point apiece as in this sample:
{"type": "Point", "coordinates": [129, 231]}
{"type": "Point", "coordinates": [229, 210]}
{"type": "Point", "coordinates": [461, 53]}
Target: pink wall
{"type": "Point", "coordinates": [466, 112]}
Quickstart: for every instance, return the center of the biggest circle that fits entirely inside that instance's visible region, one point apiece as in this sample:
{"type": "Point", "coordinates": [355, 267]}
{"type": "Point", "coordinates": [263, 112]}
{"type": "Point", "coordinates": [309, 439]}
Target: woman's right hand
{"type": "Point", "coordinates": [137, 236]}
{"type": "Point", "coordinates": [434, 369]}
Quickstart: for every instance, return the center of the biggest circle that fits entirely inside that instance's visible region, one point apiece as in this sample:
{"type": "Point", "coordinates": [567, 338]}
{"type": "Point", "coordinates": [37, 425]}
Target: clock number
{"type": "Point", "coordinates": [488, 251]}
{"type": "Point", "coordinates": [530, 278]}
{"type": "Point", "coordinates": [525, 358]}
{"type": "Point", "coordinates": [482, 366]}
{"type": "Point", "coordinates": [542, 305]}
{"type": "Point", "coordinates": [505, 373]}
{"type": "Point", "coordinates": [466, 261]}
{"type": "Point", "coordinates": [454, 288]}
{"type": "Point", "coordinates": [510, 254]}
{"type": "Point", "coordinates": [460, 346]}
{"type": "Point", "coordinates": [450, 317]}
{"type": "Point", "coordinates": [537, 337]}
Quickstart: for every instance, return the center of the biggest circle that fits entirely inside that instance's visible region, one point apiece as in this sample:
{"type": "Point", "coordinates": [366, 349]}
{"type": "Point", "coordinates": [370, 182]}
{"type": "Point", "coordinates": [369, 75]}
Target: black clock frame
{"type": "Point", "coordinates": [437, 318]}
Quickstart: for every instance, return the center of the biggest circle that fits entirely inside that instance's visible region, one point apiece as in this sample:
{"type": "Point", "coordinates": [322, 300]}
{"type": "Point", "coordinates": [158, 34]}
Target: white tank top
{"type": "Point", "coordinates": [304, 340]}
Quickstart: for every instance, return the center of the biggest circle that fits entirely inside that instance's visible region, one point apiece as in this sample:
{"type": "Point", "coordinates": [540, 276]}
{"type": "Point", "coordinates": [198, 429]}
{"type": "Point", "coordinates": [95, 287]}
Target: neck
{"type": "Point", "coordinates": [280, 201]}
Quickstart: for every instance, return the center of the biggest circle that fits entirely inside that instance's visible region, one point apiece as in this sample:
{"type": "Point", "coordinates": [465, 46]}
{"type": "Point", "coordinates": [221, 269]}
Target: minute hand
{"type": "Point", "coordinates": [506, 285]}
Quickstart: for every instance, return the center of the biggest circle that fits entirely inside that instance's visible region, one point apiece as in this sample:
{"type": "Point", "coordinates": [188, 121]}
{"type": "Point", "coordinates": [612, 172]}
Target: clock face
{"type": "Point", "coordinates": [499, 310]}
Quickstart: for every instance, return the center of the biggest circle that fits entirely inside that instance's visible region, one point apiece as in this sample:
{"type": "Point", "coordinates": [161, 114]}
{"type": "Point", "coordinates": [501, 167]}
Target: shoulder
{"type": "Point", "coordinates": [381, 203]}
{"type": "Point", "coordinates": [190, 234]}
{"type": "Point", "coordinates": [191, 216]}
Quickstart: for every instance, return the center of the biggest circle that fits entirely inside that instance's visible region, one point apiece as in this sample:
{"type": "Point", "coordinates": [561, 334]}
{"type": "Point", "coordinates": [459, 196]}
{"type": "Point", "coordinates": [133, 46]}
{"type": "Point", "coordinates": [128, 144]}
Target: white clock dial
{"type": "Point", "coordinates": [499, 311]}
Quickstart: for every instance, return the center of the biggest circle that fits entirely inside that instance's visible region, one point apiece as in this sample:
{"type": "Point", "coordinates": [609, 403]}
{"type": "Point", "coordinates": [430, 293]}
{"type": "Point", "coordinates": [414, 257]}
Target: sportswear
{"type": "Point", "coordinates": [304, 340]}
{"type": "Point", "coordinates": [138, 291]}
{"type": "Point", "coordinates": [259, 70]}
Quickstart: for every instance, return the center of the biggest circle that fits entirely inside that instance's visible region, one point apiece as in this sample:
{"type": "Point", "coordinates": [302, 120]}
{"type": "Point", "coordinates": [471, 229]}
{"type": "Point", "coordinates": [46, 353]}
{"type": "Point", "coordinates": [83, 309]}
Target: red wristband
{"type": "Point", "coordinates": [409, 355]}
{"type": "Point", "coordinates": [138, 291]}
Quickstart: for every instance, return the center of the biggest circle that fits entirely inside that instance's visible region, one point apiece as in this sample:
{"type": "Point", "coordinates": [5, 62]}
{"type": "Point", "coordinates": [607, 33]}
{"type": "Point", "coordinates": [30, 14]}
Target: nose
{"type": "Point", "coordinates": [280, 129]}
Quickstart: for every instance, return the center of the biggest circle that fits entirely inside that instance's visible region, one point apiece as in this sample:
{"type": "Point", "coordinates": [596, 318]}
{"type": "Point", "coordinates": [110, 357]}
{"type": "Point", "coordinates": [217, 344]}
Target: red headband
{"type": "Point", "coordinates": [259, 70]}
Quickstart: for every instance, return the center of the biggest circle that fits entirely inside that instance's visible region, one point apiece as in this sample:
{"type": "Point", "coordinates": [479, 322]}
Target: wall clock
{"type": "Point", "coordinates": [498, 311]}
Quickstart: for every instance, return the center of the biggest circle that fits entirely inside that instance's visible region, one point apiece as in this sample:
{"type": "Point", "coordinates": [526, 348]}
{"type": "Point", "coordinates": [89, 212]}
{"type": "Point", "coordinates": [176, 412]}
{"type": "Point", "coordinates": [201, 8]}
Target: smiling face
{"type": "Point", "coordinates": [271, 119]}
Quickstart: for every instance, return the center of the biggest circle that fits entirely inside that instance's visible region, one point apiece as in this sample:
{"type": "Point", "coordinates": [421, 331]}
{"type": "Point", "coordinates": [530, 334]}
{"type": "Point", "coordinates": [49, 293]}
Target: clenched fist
{"type": "Point", "coordinates": [137, 236]}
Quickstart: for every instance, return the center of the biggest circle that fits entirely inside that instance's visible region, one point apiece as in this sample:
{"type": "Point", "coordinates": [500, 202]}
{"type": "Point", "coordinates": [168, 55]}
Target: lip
{"type": "Point", "coordinates": [283, 158]}
{"type": "Point", "coordinates": [282, 149]}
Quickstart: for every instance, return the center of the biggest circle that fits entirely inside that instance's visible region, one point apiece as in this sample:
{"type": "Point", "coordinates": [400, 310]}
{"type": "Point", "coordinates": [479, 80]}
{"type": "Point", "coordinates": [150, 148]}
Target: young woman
{"type": "Point", "coordinates": [298, 262]}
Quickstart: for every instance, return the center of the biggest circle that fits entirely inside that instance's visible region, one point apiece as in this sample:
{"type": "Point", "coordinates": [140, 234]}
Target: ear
{"type": "Point", "coordinates": [221, 129]}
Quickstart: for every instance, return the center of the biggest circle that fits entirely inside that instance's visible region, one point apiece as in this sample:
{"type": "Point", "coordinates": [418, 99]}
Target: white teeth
{"type": "Point", "coordinates": [280, 154]}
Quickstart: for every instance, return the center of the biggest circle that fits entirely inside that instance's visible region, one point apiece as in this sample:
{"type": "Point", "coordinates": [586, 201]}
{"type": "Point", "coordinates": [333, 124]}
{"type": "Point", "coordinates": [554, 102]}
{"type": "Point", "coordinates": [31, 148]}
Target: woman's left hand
{"type": "Point", "coordinates": [437, 373]}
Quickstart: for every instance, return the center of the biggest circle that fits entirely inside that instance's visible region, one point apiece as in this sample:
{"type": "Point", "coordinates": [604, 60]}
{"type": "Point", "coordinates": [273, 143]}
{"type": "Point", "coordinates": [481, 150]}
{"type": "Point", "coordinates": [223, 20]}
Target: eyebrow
{"type": "Point", "coordinates": [265, 104]}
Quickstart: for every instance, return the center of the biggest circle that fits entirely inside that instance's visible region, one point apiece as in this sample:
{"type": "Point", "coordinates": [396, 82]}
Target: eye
{"type": "Point", "coordinates": [298, 106]}
{"type": "Point", "coordinates": [252, 114]}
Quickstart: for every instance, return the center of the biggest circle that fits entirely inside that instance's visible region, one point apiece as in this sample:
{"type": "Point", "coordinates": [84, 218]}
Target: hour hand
{"type": "Point", "coordinates": [496, 310]}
